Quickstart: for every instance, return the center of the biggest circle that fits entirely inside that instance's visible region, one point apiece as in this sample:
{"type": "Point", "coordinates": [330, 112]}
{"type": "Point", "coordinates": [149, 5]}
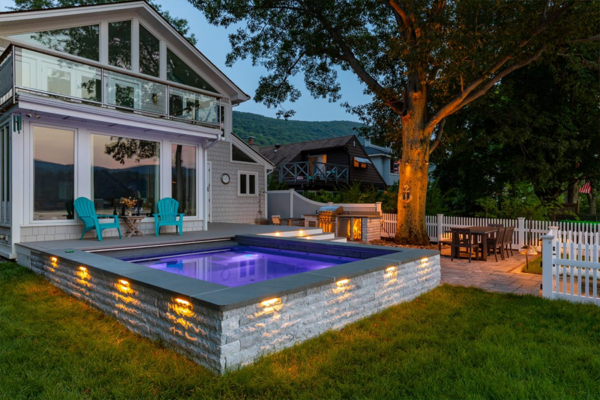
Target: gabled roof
{"type": "Point", "coordinates": [66, 14]}
{"type": "Point", "coordinates": [287, 152]}
{"type": "Point", "coordinates": [250, 151]}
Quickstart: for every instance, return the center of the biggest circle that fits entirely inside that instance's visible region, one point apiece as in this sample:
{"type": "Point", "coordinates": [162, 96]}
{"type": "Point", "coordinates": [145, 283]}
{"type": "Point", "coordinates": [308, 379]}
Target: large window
{"type": "Point", "coordinates": [82, 41]}
{"type": "Point", "coordinates": [149, 53]}
{"type": "Point", "coordinates": [184, 177]}
{"type": "Point", "coordinates": [247, 183]}
{"type": "Point", "coordinates": [53, 165]}
{"type": "Point", "coordinates": [180, 72]}
{"type": "Point", "coordinates": [119, 44]}
{"type": "Point", "coordinates": [123, 167]}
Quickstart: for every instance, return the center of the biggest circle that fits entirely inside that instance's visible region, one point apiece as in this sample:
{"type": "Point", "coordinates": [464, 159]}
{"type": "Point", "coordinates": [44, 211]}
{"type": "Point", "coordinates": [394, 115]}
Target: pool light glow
{"type": "Point", "coordinates": [342, 282]}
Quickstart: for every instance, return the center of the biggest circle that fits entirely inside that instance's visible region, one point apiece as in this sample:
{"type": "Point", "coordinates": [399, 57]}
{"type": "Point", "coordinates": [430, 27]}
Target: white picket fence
{"type": "Point", "coordinates": [570, 269]}
{"type": "Point", "coordinates": [526, 232]}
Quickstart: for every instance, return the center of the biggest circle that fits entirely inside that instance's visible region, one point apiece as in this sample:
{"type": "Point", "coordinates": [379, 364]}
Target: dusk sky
{"type": "Point", "coordinates": [246, 76]}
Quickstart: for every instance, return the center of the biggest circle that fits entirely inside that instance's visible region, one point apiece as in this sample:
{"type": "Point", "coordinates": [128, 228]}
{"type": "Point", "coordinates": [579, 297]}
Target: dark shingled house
{"type": "Point", "coordinates": [323, 164]}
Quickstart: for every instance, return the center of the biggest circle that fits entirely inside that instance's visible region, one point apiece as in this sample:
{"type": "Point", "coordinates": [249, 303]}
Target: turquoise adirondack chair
{"type": "Point", "coordinates": [168, 215]}
{"type": "Point", "coordinates": [87, 213]}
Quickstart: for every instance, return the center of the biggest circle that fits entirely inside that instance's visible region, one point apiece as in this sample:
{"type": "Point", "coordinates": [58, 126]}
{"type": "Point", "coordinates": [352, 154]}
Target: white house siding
{"type": "Point", "coordinates": [227, 205]}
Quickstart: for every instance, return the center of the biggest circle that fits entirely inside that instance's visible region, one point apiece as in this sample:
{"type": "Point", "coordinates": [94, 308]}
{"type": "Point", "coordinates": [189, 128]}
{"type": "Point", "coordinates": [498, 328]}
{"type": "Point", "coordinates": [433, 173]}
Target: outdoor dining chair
{"type": "Point", "coordinates": [168, 215]}
{"type": "Point", "coordinates": [496, 243]}
{"type": "Point", "coordinates": [462, 238]}
{"type": "Point", "coordinates": [87, 213]}
{"type": "Point", "coordinates": [507, 242]}
{"type": "Point", "coordinates": [276, 219]}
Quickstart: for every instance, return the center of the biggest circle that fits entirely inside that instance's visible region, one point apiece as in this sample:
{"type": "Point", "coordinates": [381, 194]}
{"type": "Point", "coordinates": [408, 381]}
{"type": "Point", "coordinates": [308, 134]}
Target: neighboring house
{"type": "Point", "coordinates": [323, 164]}
{"type": "Point", "coordinates": [383, 159]}
{"type": "Point", "coordinates": [110, 101]}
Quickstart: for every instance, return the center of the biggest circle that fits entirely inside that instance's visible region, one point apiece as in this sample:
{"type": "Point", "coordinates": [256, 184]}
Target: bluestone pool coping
{"type": "Point", "coordinates": [224, 298]}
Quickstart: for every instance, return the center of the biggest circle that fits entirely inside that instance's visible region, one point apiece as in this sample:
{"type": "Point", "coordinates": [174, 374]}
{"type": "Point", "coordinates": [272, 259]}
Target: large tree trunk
{"type": "Point", "coordinates": [412, 192]}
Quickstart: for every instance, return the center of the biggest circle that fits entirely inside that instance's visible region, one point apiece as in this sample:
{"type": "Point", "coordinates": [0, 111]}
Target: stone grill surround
{"type": "Point", "coordinates": [224, 328]}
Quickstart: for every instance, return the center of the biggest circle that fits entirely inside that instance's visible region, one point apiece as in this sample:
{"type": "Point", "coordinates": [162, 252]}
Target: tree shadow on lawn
{"type": "Point", "coordinates": [453, 342]}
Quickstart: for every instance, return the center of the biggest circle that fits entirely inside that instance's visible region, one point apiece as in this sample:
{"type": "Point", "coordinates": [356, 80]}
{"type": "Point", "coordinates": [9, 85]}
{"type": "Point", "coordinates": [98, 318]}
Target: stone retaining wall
{"type": "Point", "coordinates": [222, 338]}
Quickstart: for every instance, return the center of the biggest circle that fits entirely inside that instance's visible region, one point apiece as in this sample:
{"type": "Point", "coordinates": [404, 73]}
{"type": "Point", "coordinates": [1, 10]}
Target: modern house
{"type": "Point", "coordinates": [324, 164]}
{"type": "Point", "coordinates": [110, 101]}
{"type": "Point", "coordinates": [383, 159]}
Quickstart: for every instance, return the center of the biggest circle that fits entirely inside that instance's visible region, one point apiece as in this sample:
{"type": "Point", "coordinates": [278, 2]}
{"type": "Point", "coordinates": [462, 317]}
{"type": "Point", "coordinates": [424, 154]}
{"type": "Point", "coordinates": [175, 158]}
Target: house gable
{"type": "Point", "coordinates": [173, 49]}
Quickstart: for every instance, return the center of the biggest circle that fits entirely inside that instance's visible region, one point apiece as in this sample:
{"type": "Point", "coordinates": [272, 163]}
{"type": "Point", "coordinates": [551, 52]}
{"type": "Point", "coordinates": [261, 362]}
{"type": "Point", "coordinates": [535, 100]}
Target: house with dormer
{"type": "Point", "coordinates": [110, 101]}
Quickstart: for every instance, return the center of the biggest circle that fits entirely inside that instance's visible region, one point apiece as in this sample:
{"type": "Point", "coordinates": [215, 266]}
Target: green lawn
{"type": "Point", "coordinates": [451, 343]}
{"type": "Point", "coordinates": [534, 267]}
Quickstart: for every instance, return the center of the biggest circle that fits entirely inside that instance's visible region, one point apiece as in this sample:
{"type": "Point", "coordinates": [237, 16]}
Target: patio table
{"type": "Point", "coordinates": [133, 225]}
{"type": "Point", "coordinates": [480, 234]}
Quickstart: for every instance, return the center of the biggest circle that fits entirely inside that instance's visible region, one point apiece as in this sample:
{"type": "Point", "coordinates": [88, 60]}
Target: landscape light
{"type": "Point", "coordinates": [269, 302]}
{"type": "Point", "coordinates": [183, 302]}
{"type": "Point", "coordinates": [342, 282]}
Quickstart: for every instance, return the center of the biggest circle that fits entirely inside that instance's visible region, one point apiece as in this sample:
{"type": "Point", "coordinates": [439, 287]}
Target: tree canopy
{"type": "Point", "coordinates": [421, 60]}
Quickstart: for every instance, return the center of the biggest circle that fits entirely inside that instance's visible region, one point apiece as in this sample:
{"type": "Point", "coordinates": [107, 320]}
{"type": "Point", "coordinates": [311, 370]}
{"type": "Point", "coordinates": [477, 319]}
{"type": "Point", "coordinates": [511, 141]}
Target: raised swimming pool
{"type": "Point", "coordinates": [241, 265]}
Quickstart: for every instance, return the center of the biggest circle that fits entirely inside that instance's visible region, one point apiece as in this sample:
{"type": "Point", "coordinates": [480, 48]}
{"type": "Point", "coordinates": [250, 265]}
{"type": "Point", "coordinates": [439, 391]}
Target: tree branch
{"type": "Point", "coordinates": [484, 89]}
{"type": "Point", "coordinates": [438, 136]}
{"type": "Point", "coordinates": [456, 101]}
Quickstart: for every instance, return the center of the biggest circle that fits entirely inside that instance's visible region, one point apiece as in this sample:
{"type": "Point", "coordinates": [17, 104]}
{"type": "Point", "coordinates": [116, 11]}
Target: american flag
{"type": "Point", "coordinates": [587, 188]}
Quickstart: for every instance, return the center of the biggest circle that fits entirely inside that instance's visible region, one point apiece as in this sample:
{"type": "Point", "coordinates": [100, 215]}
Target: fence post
{"type": "Point", "coordinates": [547, 264]}
{"type": "Point", "coordinates": [521, 231]}
{"type": "Point", "coordinates": [291, 203]}
{"type": "Point", "coordinates": [378, 207]}
{"type": "Point", "coordinates": [440, 227]}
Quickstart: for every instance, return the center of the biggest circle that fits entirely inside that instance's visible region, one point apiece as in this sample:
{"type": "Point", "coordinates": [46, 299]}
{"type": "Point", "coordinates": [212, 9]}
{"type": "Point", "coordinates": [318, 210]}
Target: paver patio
{"type": "Point", "coordinates": [502, 276]}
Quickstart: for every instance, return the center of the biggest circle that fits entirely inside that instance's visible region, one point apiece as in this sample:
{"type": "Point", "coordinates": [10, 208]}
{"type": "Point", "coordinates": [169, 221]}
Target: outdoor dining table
{"type": "Point", "coordinates": [480, 235]}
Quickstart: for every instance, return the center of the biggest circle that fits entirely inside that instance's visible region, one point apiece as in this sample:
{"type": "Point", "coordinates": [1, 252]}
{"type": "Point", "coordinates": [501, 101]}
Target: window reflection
{"type": "Point", "coordinates": [184, 177]}
{"type": "Point", "coordinates": [119, 44]}
{"type": "Point", "coordinates": [180, 72]}
{"type": "Point", "coordinates": [82, 41]}
{"type": "Point", "coordinates": [124, 167]}
{"type": "Point", "coordinates": [149, 53]}
{"type": "Point", "coordinates": [53, 164]}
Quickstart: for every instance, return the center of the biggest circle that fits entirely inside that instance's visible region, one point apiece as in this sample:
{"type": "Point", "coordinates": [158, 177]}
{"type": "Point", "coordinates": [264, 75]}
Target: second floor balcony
{"type": "Point", "coordinates": [307, 172]}
{"type": "Point", "coordinates": [30, 71]}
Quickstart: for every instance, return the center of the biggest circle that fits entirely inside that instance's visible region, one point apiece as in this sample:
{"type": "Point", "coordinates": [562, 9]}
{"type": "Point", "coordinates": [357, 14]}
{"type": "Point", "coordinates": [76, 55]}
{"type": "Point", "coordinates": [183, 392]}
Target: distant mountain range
{"type": "Point", "coordinates": [269, 131]}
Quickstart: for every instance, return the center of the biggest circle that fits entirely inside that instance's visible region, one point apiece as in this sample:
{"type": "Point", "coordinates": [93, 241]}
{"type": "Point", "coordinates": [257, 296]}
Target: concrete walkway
{"type": "Point", "coordinates": [503, 276]}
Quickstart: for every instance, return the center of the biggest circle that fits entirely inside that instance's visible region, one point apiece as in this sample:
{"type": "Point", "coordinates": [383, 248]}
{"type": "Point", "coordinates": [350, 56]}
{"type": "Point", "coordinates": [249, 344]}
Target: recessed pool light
{"type": "Point", "coordinates": [424, 260]}
{"type": "Point", "coordinates": [390, 269]}
{"type": "Point", "coordinates": [342, 282]}
{"type": "Point", "coordinates": [83, 269]}
{"type": "Point", "coordinates": [53, 259]}
{"type": "Point", "coordinates": [123, 282]}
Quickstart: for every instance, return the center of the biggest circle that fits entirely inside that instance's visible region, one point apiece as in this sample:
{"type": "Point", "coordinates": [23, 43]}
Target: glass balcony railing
{"type": "Point", "coordinates": [23, 69]}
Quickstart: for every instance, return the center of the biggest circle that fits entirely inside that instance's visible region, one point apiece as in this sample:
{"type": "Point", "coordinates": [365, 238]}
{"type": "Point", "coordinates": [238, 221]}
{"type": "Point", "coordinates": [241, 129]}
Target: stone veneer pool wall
{"type": "Point", "coordinates": [223, 328]}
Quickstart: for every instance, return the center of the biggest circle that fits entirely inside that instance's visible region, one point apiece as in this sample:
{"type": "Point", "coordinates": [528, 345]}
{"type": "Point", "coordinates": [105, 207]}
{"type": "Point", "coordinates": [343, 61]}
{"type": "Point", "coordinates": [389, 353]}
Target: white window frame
{"type": "Point", "coordinates": [239, 183]}
{"type": "Point", "coordinates": [31, 174]}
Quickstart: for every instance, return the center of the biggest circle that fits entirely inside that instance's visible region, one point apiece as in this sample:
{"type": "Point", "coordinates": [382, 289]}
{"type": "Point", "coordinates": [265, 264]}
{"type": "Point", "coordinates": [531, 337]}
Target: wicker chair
{"type": "Point", "coordinates": [462, 238]}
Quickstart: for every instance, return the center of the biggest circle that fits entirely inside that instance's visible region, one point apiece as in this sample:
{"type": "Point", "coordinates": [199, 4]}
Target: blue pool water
{"type": "Point", "coordinates": [242, 265]}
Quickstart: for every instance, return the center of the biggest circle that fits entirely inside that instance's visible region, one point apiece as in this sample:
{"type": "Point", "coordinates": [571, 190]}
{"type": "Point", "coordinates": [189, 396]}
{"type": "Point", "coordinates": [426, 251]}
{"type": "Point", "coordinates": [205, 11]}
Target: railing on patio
{"type": "Point", "coordinates": [34, 71]}
{"type": "Point", "coordinates": [570, 270]}
{"type": "Point", "coordinates": [312, 171]}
